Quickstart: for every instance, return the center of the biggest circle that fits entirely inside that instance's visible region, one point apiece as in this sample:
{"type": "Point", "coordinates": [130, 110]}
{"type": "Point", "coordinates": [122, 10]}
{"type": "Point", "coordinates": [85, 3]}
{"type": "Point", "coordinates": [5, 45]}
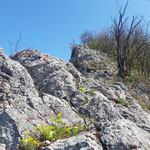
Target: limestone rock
{"type": "Point", "coordinates": [85, 141]}
{"type": "Point", "coordinates": [92, 62]}
{"type": "Point", "coordinates": [125, 135]}
{"type": "Point", "coordinates": [50, 74]}
{"type": "Point", "coordinates": [2, 146]}
{"type": "Point", "coordinates": [34, 86]}
{"type": "Point", "coordinates": [22, 108]}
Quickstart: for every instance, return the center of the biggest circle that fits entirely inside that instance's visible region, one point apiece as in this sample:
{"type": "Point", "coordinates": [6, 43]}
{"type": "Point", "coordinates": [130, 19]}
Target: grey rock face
{"type": "Point", "coordinates": [99, 108]}
{"type": "Point", "coordinates": [50, 75]}
{"type": "Point", "coordinates": [143, 90]}
{"type": "Point", "coordinates": [84, 141]}
{"type": "Point", "coordinates": [89, 61]}
{"type": "Point", "coordinates": [21, 107]}
{"type": "Point", "coordinates": [34, 86]}
{"type": "Point", "coordinates": [2, 146]}
{"type": "Point", "coordinates": [125, 135]}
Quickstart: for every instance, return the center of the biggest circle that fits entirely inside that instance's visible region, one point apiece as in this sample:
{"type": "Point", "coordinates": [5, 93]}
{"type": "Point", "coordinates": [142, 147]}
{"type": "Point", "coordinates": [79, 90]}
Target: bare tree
{"type": "Point", "coordinates": [127, 41]}
{"type": "Point", "coordinates": [13, 47]}
{"type": "Point", "coordinates": [72, 44]}
{"type": "Point", "coordinates": [123, 33]}
{"type": "Point", "coordinates": [17, 43]}
{"type": "Point", "coordinates": [142, 49]}
{"type": "Point", "coordinates": [86, 37]}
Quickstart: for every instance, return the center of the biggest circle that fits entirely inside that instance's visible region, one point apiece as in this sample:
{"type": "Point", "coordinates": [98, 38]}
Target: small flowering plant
{"type": "Point", "coordinates": [58, 130]}
{"type": "Point", "coordinates": [29, 143]}
{"type": "Point", "coordinates": [82, 89]}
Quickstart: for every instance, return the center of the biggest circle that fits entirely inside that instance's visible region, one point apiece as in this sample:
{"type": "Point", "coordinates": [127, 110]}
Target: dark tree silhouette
{"type": "Point", "coordinates": [123, 34]}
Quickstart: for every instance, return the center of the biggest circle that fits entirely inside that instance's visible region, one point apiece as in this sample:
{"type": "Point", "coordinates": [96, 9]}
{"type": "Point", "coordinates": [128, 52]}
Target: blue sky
{"type": "Point", "coordinates": [49, 25]}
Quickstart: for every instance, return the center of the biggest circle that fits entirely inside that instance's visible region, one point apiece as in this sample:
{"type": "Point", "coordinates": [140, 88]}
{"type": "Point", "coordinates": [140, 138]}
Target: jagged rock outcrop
{"type": "Point", "coordinates": [125, 135]}
{"type": "Point", "coordinates": [95, 63]}
{"type": "Point", "coordinates": [34, 86]}
{"type": "Point", "coordinates": [21, 106]}
{"type": "Point", "coordinates": [50, 75]}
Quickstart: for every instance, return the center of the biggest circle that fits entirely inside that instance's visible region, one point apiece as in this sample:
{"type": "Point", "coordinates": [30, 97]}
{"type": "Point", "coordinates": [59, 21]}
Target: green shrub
{"type": "Point", "coordinates": [148, 107]}
{"type": "Point", "coordinates": [39, 86]}
{"type": "Point", "coordinates": [92, 91]}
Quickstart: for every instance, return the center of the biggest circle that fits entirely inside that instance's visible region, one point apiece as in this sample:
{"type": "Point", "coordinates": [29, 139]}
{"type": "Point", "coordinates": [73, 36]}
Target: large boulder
{"type": "Point", "coordinates": [92, 62]}
{"type": "Point", "coordinates": [125, 135]}
{"type": "Point", "coordinates": [50, 75]}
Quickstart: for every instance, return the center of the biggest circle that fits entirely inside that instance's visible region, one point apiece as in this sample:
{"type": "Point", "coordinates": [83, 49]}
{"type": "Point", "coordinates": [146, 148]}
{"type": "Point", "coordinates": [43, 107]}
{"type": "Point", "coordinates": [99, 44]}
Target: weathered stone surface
{"type": "Point", "coordinates": [50, 74]}
{"type": "Point", "coordinates": [34, 86]}
{"type": "Point", "coordinates": [101, 109]}
{"type": "Point", "coordinates": [143, 90]}
{"type": "Point", "coordinates": [108, 111]}
{"type": "Point", "coordinates": [93, 62]}
{"type": "Point", "coordinates": [125, 135]}
{"type": "Point", "coordinates": [84, 141]}
{"type": "Point", "coordinates": [21, 106]}
{"type": "Point", "coordinates": [2, 146]}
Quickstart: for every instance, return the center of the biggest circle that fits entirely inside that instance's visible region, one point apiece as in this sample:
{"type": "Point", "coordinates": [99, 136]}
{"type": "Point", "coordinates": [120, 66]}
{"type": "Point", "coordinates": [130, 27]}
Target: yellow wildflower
{"type": "Point", "coordinates": [59, 115]}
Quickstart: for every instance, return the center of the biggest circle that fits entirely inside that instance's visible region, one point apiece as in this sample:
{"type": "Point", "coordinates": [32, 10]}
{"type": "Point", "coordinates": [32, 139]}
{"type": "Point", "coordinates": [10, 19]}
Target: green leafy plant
{"type": "Point", "coordinates": [84, 102]}
{"type": "Point", "coordinates": [92, 93]}
{"type": "Point", "coordinates": [39, 86]}
{"type": "Point", "coordinates": [57, 130]}
{"type": "Point", "coordinates": [134, 77]}
{"type": "Point", "coordinates": [29, 143]}
{"type": "Point", "coordinates": [82, 89]}
{"type": "Point", "coordinates": [122, 101]}
{"type": "Point", "coordinates": [148, 107]}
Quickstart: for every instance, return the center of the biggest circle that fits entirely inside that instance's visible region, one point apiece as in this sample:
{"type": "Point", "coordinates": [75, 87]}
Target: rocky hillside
{"type": "Point", "coordinates": [34, 86]}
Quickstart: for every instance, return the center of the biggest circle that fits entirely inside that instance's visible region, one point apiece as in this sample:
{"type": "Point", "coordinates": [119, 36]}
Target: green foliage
{"type": "Point", "coordinates": [105, 41]}
{"type": "Point", "coordinates": [92, 93]}
{"type": "Point", "coordinates": [58, 130]}
{"type": "Point", "coordinates": [82, 89]}
{"type": "Point", "coordinates": [39, 86]}
{"type": "Point", "coordinates": [81, 115]}
{"type": "Point", "coordinates": [144, 105]}
{"type": "Point", "coordinates": [84, 102]}
{"type": "Point", "coordinates": [29, 143]}
{"type": "Point", "coordinates": [133, 78]}
{"type": "Point", "coordinates": [94, 45]}
{"type": "Point", "coordinates": [122, 101]}
{"type": "Point", "coordinates": [148, 107]}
